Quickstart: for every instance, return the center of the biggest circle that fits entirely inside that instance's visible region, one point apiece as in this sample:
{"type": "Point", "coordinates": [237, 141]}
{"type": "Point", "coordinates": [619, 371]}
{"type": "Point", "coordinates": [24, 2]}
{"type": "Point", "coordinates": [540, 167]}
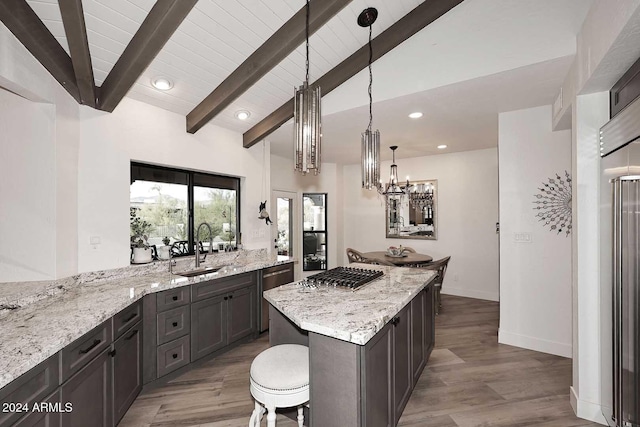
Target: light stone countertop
{"type": "Point", "coordinates": [350, 315]}
{"type": "Point", "coordinates": [39, 319]}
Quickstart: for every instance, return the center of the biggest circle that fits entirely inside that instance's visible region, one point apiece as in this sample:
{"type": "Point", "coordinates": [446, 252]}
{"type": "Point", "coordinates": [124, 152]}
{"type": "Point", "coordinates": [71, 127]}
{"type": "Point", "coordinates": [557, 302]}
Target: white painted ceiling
{"type": "Point", "coordinates": [435, 70]}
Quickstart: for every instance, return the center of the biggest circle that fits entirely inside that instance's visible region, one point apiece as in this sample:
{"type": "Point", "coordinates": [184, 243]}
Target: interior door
{"type": "Point", "coordinates": [283, 217]}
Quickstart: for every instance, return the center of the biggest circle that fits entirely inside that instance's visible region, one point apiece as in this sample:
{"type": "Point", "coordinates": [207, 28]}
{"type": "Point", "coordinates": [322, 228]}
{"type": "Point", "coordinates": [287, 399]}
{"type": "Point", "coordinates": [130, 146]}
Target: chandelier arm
{"type": "Point", "coordinates": [370, 79]}
{"type": "Point", "coordinates": [307, 45]}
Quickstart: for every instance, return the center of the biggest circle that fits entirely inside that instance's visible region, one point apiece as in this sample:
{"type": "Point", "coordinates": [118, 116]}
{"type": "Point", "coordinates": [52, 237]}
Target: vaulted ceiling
{"type": "Point", "coordinates": [475, 40]}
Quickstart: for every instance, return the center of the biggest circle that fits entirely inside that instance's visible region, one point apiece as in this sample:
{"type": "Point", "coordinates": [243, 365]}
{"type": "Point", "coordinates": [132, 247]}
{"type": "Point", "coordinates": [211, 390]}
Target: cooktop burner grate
{"type": "Point", "coordinates": [349, 277]}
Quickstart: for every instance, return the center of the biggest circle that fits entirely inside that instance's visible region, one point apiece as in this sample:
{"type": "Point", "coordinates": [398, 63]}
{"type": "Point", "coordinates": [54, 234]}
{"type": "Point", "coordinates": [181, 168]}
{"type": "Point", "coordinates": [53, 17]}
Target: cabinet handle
{"type": "Point", "coordinates": [230, 296]}
{"type": "Point", "coordinates": [112, 353]}
{"type": "Point", "coordinates": [130, 318]}
{"type": "Point", "coordinates": [175, 324]}
{"type": "Point", "coordinates": [226, 298]}
{"type": "Point", "coordinates": [133, 334]}
{"type": "Point", "coordinates": [91, 347]}
{"type": "Point", "coordinates": [175, 297]}
{"type": "Point", "coordinates": [395, 321]}
{"type": "Point", "coordinates": [175, 355]}
{"type": "Point", "coordinates": [275, 273]}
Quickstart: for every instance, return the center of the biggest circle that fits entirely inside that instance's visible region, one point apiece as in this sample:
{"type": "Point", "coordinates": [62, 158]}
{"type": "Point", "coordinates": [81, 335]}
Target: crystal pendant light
{"type": "Point", "coordinates": [393, 190]}
{"type": "Point", "coordinates": [306, 121]}
{"type": "Point", "coordinates": [370, 139]}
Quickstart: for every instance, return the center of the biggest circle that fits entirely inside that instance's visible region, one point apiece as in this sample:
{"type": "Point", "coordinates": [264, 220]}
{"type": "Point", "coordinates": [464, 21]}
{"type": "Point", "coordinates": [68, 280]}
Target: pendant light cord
{"type": "Point", "coordinates": [307, 38]}
{"type": "Point", "coordinates": [370, 80]}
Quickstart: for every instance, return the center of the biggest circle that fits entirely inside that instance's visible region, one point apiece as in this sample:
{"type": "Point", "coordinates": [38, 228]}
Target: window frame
{"type": "Point", "coordinates": [193, 177]}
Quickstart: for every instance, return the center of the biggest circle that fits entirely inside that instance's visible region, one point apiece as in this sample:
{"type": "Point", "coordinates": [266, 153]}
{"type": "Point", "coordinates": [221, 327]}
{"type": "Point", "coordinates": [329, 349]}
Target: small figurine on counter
{"type": "Point", "coordinates": [263, 213]}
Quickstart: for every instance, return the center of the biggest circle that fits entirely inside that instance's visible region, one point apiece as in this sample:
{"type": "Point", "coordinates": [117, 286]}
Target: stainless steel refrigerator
{"type": "Point", "coordinates": [620, 268]}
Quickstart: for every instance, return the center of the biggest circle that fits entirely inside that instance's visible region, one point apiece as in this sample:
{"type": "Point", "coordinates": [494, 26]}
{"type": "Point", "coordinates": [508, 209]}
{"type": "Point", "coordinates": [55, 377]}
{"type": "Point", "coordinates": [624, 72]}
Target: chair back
{"type": "Point", "coordinates": [355, 256]}
{"type": "Point", "coordinates": [441, 267]}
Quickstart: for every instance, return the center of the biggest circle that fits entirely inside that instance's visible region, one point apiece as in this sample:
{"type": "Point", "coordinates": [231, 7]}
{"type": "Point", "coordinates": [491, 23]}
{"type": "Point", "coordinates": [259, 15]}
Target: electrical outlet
{"type": "Point", "coordinates": [522, 237]}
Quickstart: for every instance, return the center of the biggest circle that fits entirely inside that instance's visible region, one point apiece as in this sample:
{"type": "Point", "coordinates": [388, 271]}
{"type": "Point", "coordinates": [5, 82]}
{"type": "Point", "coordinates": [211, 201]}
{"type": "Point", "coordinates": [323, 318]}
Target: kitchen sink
{"type": "Point", "coordinates": [197, 271]}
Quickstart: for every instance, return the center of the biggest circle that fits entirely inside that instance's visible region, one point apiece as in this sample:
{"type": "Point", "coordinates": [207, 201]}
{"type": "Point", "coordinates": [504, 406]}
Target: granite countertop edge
{"type": "Point", "coordinates": [65, 309]}
{"type": "Point", "coordinates": [351, 316]}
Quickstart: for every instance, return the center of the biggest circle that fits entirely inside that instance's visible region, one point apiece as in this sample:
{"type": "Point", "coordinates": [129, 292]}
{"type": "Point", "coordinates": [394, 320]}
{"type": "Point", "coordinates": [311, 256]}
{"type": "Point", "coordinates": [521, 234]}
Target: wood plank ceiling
{"type": "Point", "coordinates": [212, 41]}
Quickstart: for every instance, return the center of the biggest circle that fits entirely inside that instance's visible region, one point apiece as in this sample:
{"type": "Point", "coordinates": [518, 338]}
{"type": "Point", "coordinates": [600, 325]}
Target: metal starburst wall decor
{"type": "Point", "coordinates": [553, 204]}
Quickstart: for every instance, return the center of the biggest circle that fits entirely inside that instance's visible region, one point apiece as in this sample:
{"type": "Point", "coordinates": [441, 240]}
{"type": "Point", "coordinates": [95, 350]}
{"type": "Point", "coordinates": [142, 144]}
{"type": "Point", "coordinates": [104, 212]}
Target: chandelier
{"type": "Point", "coordinates": [393, 191]}
{"type": "Point", "coordinates": [370, 139]}
{"type": "Point", "coordinates": [306, 120]}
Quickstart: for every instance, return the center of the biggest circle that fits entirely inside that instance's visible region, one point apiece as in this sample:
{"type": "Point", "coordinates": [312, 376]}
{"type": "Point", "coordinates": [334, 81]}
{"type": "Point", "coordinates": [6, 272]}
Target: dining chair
{"type": "Point", "coordinates": [355, 256]}
{"type": "Point", "coordinates": [441, 267]}
{"type": "Point", "coordinates": [409, 249]}
{"type": "Point", "coordinates": [378, 262]}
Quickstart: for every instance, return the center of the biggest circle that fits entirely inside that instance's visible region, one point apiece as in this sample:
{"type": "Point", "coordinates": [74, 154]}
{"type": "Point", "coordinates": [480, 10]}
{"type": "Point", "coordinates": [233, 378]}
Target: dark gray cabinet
{"type": "Point", "coordinates": [271, 278]}
{"type": "Point", "coordinates": [127, 370]}
{"type": "Point", "coordinates": [222, 320]}
{"type": "Point", "coordinates": [241, 314]}
{"type": "Point", "coordinates": [402, 351]}
{"type": "Point", "coordinates": [90, 394]}
{"type": "Point", "coordinates": [420, 334]}
{"type": "Point", "coordinates": [49, 417]}
{"type": "Point", "coordinates": [377, 382]}
{"type": "Point", "coordinates": [208, 326]}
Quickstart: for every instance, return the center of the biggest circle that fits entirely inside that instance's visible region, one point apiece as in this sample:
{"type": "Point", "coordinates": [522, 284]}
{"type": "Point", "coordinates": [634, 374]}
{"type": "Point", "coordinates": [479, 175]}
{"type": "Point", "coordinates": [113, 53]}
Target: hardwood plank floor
{"type": "Point", "coordinates": [470, 380]}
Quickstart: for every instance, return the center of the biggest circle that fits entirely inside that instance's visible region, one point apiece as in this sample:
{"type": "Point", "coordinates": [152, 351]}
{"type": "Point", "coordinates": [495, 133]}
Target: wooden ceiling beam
{"type": "Point", "coordinates": [407, 26]}
{"type": "Point", "coordinates": [23, 22]}
{"type": "Point", "coordinates": [277, 47]}
{"type": "Point", "coordinates": [162, 21]}
{"type": "Point", "coordinates": [76, 32]}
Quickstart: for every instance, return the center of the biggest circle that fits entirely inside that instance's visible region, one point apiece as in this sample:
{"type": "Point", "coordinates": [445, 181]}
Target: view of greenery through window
{"type": "Point", "coordinates": [165, 206]}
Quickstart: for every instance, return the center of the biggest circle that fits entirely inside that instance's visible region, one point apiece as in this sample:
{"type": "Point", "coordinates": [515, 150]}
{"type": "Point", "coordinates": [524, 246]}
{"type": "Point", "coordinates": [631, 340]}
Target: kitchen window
{"type": "Point", "coordinates": [174, 202]}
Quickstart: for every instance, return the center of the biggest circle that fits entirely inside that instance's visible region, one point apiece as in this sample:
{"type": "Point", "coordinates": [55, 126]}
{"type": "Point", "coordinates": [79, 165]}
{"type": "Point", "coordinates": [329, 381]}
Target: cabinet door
{"type": "Point", "coordinates": [127, 371]}
{"type": "Point", "coordinates": [49, 417]}
{"type": "Point", "coordinates": [89, 392]}
{"type": "Point", "coordinates": [402, 372]}
{"type": "Point", "coordinates": [377, 384]}
{"type": "Point", "coordinates": [418, 335]}
{"type": "Point", "coordinates": [208, 326]}
{"type": "Point", "coordinates": [430, 319]}
{"type": "Point", "coordinates": [242, 313]}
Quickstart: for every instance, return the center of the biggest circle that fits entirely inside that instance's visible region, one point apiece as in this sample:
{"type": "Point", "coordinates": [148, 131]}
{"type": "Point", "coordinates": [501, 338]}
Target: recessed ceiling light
{"type": "Point", "coordinates": [415, 115]}
{"type": "Point", "coordinates": [442, 147]}
{"type": "Point", "coordinates": [162, 83]}
{"type": "Point", "coordinates": [242, 115]}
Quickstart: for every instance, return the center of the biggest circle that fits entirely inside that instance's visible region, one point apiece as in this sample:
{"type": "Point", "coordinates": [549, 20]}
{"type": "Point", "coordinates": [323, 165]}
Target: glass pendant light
{"type": "Point", "coordinates": [306, 121]}
{"type": "Point", "coordinates": [370, 139]}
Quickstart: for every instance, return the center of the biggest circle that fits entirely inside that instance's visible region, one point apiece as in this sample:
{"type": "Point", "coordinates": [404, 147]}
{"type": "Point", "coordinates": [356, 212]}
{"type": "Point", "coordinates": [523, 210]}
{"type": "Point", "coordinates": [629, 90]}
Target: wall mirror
{"type": "Point", "coordinates": [314, 230]}
{"type": "Point", "coordinates": [414, 216]}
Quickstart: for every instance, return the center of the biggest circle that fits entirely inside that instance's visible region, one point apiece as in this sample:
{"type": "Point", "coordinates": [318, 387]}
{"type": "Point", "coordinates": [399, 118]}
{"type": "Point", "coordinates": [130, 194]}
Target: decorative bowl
{"type": "Point", "coordinates": [394, 251]}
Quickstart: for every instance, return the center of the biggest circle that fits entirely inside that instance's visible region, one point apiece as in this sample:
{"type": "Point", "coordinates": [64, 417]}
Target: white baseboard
{"type": "Point", "coordinates": [470, 293]}
{"type": "Point", "coordinates": [537, 344]}
{"type": "Point", "coordinates": [587, 410]}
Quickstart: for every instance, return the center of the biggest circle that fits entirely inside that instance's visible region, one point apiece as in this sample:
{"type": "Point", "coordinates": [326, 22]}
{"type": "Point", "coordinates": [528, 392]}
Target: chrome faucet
{"type": "Point", "coordinates": [198, 242]}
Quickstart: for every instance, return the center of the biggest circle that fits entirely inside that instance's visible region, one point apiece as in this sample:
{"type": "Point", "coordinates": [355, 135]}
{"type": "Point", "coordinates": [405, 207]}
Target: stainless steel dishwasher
{"type": "Point", "coordinates": [272, 277]}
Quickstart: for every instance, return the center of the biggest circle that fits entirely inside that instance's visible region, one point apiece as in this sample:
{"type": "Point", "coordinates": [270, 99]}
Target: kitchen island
{"type": "Point", "coordinates": [367, 347]}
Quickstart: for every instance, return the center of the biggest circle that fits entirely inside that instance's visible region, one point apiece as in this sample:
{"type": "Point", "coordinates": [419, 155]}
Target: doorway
{"type": "Point", "coordinates": [283, 232]}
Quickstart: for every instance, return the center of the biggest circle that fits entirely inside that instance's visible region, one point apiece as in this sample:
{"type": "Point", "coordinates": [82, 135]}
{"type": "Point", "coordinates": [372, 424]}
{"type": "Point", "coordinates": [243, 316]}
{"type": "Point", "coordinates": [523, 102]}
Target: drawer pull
{"type": "Point", "coordinates": [175, 355]}
{"type": "Point", "coordinates": [91, 347]}
{"type": "Point", "coordinates": [275, 273]}
{"type": "Point", "coordinates": [226, 298]}
{"type": "Point", "coordinates": [175, 324]}
{"type": "Point", "coordinates": [133, 334]}
{"type": "Point", "coordinates": [130, 318]}
{"type": "Point", "coordinates": [112, 353]}
{"type": "Point", "coordinates": [395, 321]}
{"type": "Point", "coordinates": [175, 297]}
{"type": "Point", "coordinates": [230, 296]}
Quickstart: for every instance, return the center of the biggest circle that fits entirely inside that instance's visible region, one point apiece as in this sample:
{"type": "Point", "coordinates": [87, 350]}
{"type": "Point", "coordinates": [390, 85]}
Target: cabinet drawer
{"type": "Point", "coordinates": [44, 418]}
{"type": "Point", "coordinates": [126, 319]}
{"type": "Point", "coordinates": [211, 288]}
{"type": "Point", "coordinates": [173, 355]}
{"type": "Point", "coordinates": [172, 298]}
{"type": "Point", "coordinates": [84, 349]}
{"type": "Point", "coordinates": [277, 275]}
{"type": "Point", "coordinates": [173, 324]}
{"type": "Point", "coordinates": [30, 387]}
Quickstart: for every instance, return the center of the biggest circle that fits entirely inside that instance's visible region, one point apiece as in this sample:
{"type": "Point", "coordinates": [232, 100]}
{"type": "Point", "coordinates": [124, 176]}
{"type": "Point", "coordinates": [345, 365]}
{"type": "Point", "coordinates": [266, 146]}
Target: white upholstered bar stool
{"type": "Point", "coordinates": [279, 379]}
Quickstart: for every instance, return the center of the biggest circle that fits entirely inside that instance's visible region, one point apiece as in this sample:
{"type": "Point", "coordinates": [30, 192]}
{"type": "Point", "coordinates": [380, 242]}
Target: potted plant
{"type": "Point", "coordinates": [164, 251]}
{"type": "Point", "coordinates": [141, 252]}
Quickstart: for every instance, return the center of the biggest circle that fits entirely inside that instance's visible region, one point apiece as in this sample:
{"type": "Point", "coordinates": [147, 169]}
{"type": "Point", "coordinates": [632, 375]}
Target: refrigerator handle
{"type": "Point", "coordinates": [616, 292]}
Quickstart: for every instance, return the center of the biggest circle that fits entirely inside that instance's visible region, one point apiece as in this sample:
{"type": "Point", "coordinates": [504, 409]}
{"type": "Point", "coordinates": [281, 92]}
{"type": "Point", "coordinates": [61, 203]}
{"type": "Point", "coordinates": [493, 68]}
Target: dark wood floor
{"type": "Point", "coordinates": [470, 380]}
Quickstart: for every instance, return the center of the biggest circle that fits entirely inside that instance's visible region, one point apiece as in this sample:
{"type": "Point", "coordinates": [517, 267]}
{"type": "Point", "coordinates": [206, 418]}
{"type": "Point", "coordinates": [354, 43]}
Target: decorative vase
{"type": "Point", "coordinates": [141, 255]}
{"type": "Point", "coordinates": [163, 252]}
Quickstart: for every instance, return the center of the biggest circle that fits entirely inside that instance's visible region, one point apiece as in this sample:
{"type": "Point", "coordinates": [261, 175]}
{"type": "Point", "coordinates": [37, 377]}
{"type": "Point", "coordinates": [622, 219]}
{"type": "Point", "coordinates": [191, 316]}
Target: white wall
{"type": "Point", "coordinates": [140, 132]}
{"type": "Point", "coordinates": [467, 215]}
{"type": "Point", "coordinates": [535, 277]}
{"type": "Point", "coordinates": [328, 181]}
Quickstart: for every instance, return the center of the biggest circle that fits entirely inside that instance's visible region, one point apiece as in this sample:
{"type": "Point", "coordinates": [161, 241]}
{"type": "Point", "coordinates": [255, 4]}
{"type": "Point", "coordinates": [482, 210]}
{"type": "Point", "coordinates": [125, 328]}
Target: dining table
{"type": "Point", "coordinates": [407, 258]}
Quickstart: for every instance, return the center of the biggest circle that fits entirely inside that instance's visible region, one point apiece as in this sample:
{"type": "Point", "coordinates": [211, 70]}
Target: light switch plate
{"type": "Point", "coordinates": [522, 237]}
{"type": "Point", "coordinates": [94, 240]}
